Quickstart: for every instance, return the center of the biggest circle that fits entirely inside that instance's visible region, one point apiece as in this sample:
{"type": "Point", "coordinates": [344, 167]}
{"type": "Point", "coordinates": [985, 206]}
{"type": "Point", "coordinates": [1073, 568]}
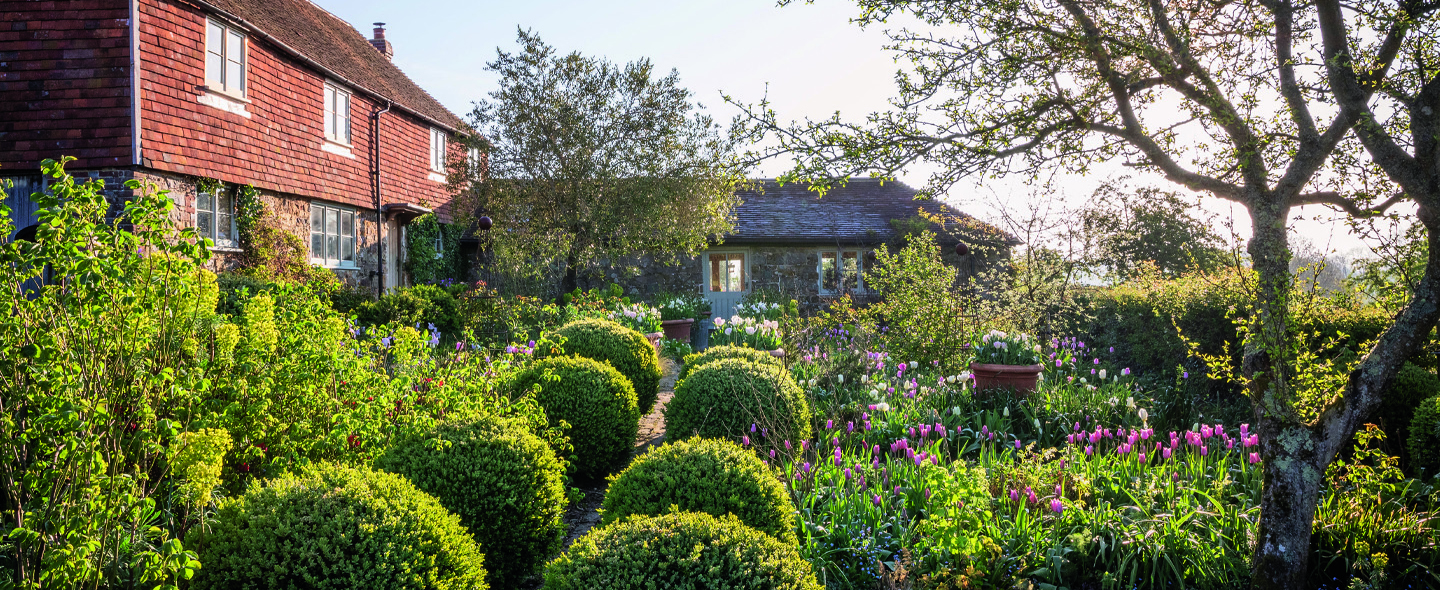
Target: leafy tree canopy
{"type": "Point", "coordinates": [587, 160]}
{"type": "Point", "coordinates": [1148, 227]}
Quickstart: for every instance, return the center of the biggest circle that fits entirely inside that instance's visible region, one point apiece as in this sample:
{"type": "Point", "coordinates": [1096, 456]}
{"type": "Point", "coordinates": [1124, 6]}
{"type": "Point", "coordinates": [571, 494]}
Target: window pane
{"type": "Point", "coordinates": [317, 245]}
{"type": "Point", "coordinates": [850, 271]}
{"type": "Point", "coordinates": [347, 224]}
{"type": "Point", "coordinates": [317, 219]}
{"type": "Point", "coordinates": [203, 202]}
{"type": "Point", "coordinates": [214, 70]}
{"type": "Point", "coordinates": [347, 249]}
{"type": "Point", "coordinates": [214, 36]}
{"type": "Point", "coordinates": [234, 46]}
{"type": "Point", "coordinates": [329, 111]}
{"type": "Point", "coordinates": [332, 247]}
{"type": "Point", "coordinates": [332, 222]}
{"type": "Point", "coordinates": [342, 117]}
{"type": "Point", "coordinates": [203, 224]}
{"type": "Point", "coordinates": [716, 262]}
{"type": "Point", "coordinates": [828, 278]}
{"type": "Point", "coordinates": [234, 77]}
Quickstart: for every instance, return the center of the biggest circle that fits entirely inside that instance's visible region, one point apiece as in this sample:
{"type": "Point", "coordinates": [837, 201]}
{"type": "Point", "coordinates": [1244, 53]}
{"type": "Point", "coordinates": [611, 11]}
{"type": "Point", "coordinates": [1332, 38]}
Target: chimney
{"type": "Point", "coordinates": [380, 43]}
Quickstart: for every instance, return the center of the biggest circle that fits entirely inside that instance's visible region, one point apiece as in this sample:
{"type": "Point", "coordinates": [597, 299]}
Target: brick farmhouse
{"type": "Point", "coordinates": [342, 148]}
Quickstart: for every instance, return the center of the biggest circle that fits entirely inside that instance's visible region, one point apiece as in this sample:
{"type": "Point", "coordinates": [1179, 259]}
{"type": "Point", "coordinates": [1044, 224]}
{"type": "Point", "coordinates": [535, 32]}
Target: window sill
{"type": "Point", "coordinates": [337, 148]}
{"type": "Point", "coordinates": [227, 249]}
{"type": "Point", "coordinates": [437, 177]}
{"type": "Point", "coordinates": [343, 266]}
{"type": "Point", "coordinates": [223, 101]}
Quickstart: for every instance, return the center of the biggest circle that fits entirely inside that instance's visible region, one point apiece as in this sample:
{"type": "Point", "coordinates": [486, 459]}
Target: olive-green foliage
{"type": "Point", "coordinates": [680, 551]}
{"type": "Point", "coordinates": [1424, 442]}
{"type": "Point", "coordinates": [715, 353]}
{"type": "Point", "coordinates": [503, 482]}
{"type": "Point", "coordinates": [409, 306]}
{"type": "Point", "coordinates": [724, 398]}
{"type": "Point", "coordinates": [713, 476]}
{"type": "Point", "coordinates": [1411, 386]}
{"type": "Point", "coordinates": [595, 400]}
{"type": "Point", "coordinates": [920, 305]}
{"type": "Point", "coordinates": [426, 264]}
{"type": "Point", "coordinates": [625, 349]}
{"type": "Point", "coordinates": [337, 527]}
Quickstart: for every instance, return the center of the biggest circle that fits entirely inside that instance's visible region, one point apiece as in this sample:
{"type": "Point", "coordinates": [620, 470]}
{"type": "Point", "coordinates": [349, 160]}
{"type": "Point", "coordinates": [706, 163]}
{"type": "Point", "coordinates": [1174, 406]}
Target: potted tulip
{"type": "Point", "coordinates": [642, 318]}
{"type": "Point", "coordinates": [1009, 361]}
{"type": "Point", "coordinates": [678, 313]}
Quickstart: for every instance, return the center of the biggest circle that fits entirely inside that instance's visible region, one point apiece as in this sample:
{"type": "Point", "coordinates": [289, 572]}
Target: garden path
{"type": "Point", "coordinates": [585, 514]}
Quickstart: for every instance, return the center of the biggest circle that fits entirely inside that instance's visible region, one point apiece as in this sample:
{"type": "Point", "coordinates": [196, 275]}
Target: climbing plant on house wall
{"type": "Point", "coordinates": [433, 250]}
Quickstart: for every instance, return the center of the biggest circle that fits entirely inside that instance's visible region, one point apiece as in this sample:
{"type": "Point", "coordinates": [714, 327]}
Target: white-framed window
{"type": "Point", "coordinates": [437, 149]}
{"type": "Point", "coordinates": [332, 235]}
{"type": "Point", "coordinates": [439, 245]}
{"type": "Point", "coordinates": [726, 272]}
{"type": "Point", "coordinates": [215, 217]}
{"type": "Point", "coordinates": [476, 158]}
{"type": "Point", "coordinates": [337, 114]}
{"type": "Point", "coordinates": [224, 58]}
{"type": "Point", "coordinates": [841, 271]}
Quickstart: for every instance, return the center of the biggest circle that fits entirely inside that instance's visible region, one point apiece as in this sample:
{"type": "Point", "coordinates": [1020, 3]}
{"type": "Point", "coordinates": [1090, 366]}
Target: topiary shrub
{"type": "Point", "coordinates": [724, 398]}
{"type": "Point", "coordinates": [680, 551]}
{"type": "Point", "coordinates": [504, 483]}
{"type": "Point", "coordinates": [716, 477]}
{"type": "Point", "coordinates": [1424, 442]}
{"type": "Point", "coordinates": [336, 527]}
{"type": "Point", "coordinates": [715, 353]}
{"type": "Point", "coordinates": [595, 400]}
{"type": "Point", "coordinates": [625, 349]}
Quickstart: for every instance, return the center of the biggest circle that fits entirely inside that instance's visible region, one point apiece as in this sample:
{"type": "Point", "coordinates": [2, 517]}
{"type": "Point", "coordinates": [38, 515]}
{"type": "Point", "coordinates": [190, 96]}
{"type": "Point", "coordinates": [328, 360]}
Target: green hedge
{"type": "Point", "coordinates": [680, 551]}
{"type": "Point", "coordinates": [725, 398]}
{"type": "Point", "coordinates": [336, 527]}
{"type": "Point", "coordinates": [595, 400]}
{"type": "Point", "coordinates": [504, 483]}
{"type": "Point", "coordinates": [625, 349]}
{"type": "Point", "coordinates": [716, 477]}
{"type": "Point", "coordinates": [411, 306]}
{"type": "Point", "coordinates": [715, 353]}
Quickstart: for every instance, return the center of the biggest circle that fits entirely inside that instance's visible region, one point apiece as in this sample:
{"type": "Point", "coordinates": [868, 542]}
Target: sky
{"type": "Point", "coordinates": [808, 59]}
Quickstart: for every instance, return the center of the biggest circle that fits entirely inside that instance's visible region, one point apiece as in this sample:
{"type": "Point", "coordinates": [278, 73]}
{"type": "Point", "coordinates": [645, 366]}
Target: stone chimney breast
{"type": "Point", "coordinates": [380, 43]}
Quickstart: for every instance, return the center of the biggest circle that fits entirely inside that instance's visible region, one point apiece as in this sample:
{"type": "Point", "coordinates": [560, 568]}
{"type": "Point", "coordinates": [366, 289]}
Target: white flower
{"type": "Point", "coordinates": [1007, 411]}
{"type": "Point", "coordinates": [1114, 401]}
{"type": "Point", "coordinates": [1037, 349]}
{"type": "Point", "coordinates": [966, 376]}
{"type": "Point", "coordinates": [728, 331]}
{"type": "Point", "coordinates": [812, 383]}
{"type": "Point", "coordinates": [955, 410]}
{"type": "Point", "coordinates": [874, 393]}
{"type": "Point", "coordinates": [1083, 380]}
{"type": "Point", "coordinates": [865, 378]}
{"type": "Point", "coordinates": [750, 330]}
{"type": "Point", "coordinates": [999, 345]}
{"type": "Point", "coordinates": [883, 407]}
{"type": "Point", "coordinates": [1102, 373]}
{"type": "Point", "coordinates": [1143, 414]}
{"type": "Point", "coordinates": [1130, 402]}
{"type": "Point", "coordinates": [914, 364]}
{"type": "Point", "coordinates": [840, 378]}
{"type": "Point", "coordinates": [719, 322]}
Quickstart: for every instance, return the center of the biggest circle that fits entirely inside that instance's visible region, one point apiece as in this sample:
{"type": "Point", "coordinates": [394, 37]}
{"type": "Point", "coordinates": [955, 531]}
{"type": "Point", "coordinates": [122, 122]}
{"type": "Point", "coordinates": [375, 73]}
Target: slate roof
{"type": "Point", "coordinates": [311, 33]}
{"type": "Point", "coordinates": [858, 213]}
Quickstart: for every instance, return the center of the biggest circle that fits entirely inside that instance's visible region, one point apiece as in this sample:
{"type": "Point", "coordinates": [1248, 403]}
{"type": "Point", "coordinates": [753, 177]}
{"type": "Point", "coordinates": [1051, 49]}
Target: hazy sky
{"type": "Point", "coordinates": [809, 58]}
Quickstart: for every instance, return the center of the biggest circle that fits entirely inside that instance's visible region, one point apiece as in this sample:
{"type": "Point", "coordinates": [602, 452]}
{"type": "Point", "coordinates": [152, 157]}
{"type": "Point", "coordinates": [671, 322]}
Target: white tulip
{"type": "Point", "coordinates": [1102, 373]}
{"type": "Point", "coordinates": [840, 379]}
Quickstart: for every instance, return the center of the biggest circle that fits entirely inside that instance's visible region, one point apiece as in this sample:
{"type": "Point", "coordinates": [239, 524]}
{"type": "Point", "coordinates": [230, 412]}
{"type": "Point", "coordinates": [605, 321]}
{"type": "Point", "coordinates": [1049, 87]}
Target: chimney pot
{"type": "Point", "coordinates": [379, 42]}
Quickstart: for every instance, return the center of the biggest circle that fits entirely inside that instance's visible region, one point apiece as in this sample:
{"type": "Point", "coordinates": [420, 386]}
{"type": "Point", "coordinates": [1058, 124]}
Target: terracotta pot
{"type": "Point", "coordinates": [654, 338]}
{"type": "Point", "coordinates": [1020, 378]}
{"type": "Point", "coordinates": [677, 329]}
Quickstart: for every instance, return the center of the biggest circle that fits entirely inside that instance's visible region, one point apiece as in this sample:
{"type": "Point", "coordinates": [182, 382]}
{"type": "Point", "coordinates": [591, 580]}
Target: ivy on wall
{"type": "Point", "coordinates": [424, 263]}
{"type": "Point", "coordinates": [248, 214]}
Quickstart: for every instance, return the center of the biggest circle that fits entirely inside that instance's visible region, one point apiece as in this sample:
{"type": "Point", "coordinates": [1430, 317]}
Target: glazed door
{"type": "Point", "coordinates": [726, 280]}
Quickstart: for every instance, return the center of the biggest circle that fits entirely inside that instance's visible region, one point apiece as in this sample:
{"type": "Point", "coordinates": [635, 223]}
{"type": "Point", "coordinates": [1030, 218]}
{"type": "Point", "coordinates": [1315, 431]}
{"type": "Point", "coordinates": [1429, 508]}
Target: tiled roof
{"type": "Point", "coordinates": [311, 33]}
{"type": "Point", "coordinates": [857, 213]}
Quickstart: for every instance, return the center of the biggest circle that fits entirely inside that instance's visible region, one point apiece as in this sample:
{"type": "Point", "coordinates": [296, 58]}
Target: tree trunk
{"type": "Point", "coordinates": [571, 281]}
{"type": "Point", "coordinates": [1291, 452]}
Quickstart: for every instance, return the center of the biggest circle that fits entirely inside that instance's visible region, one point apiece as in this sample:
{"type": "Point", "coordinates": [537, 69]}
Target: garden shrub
{"type": "Point", "coordinates": [337, 527]}
{"type": "Point", "coordinates": [680, 551]}
{"type": "Point", "coordinates": [716, 477]}
{"type": "Point", "coordinates": [726, 398]}
{"type": "Point", "coordinates": [594, 399]}
{"type": "Point", "coordinates": [503, 482]}
{"type": "Point", "coordinates": [715, 353]}
{"type": "Point", "coordinates": [1412, 385]}
{"type": "Point", "coordinates": [924, 312]}
{"type": "Point", "coordinates": [1424, 442]}
{"type": "Point", "coordinates": [625, 349]}
{"type": "Point", "coordinates": [411, 306]}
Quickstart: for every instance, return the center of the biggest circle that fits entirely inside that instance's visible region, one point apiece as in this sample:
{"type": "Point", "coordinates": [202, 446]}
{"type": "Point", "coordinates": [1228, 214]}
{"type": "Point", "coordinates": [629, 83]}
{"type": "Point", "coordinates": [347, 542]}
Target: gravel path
{"type": "Point", "coordinates": [583, 515]}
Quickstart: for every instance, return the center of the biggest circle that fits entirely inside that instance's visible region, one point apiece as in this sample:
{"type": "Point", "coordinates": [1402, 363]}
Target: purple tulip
{"type": "Point", "coordinates": [1057, 506]}
{"type": "Point", "coordinates": [849, 427]}
{"type": "Point", "coordinates": [1017, 444]}
{"type": "Point", "coordinates": [877, 500]}
{"type": "Point", "coordinates": [1014, 496]}
{"type": "Point", "coordinates": [847, 474]}
{"type": "Point", "coordinates": [1254, 458]}
{"type": "Point", "coordinates": [1089, 450]}
{"type": "Point", "coordinates": [744, 441]}
{"type": "Point", "coordinates": [829, 425]}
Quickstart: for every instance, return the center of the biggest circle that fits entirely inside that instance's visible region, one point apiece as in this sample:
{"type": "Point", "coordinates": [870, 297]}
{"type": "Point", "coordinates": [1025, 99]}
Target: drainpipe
{"type": "Point", "coordinates": [375, 189]}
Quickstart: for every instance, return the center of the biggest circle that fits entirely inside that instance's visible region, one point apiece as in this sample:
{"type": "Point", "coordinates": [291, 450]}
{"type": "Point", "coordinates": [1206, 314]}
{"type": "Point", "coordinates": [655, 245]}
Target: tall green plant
{"type": "Point", "coordinates": [923, 312]}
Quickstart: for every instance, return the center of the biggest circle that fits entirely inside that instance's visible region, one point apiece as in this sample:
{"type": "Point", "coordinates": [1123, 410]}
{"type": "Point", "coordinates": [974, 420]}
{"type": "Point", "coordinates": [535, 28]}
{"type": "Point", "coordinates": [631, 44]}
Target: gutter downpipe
{"type": "Point", "coordinates": [135, 159]}
{"type": "Point", "coordinates": [375, 190]}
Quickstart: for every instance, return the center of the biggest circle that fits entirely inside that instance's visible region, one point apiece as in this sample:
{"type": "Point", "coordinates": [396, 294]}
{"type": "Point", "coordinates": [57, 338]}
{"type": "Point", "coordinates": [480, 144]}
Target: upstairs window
{"type": "Point", "coordinates": [337, 114]}
{"type": "Point", "coordinates": [224, 58]}
{"type": "Point", "coordinates": [437, 150]}
{"type": "Point", "coordinates": [840, 272]}
{"type": "Point", "coordinates": [332, 235]}
{"type": "Point", "coordinates": [215, 217]}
